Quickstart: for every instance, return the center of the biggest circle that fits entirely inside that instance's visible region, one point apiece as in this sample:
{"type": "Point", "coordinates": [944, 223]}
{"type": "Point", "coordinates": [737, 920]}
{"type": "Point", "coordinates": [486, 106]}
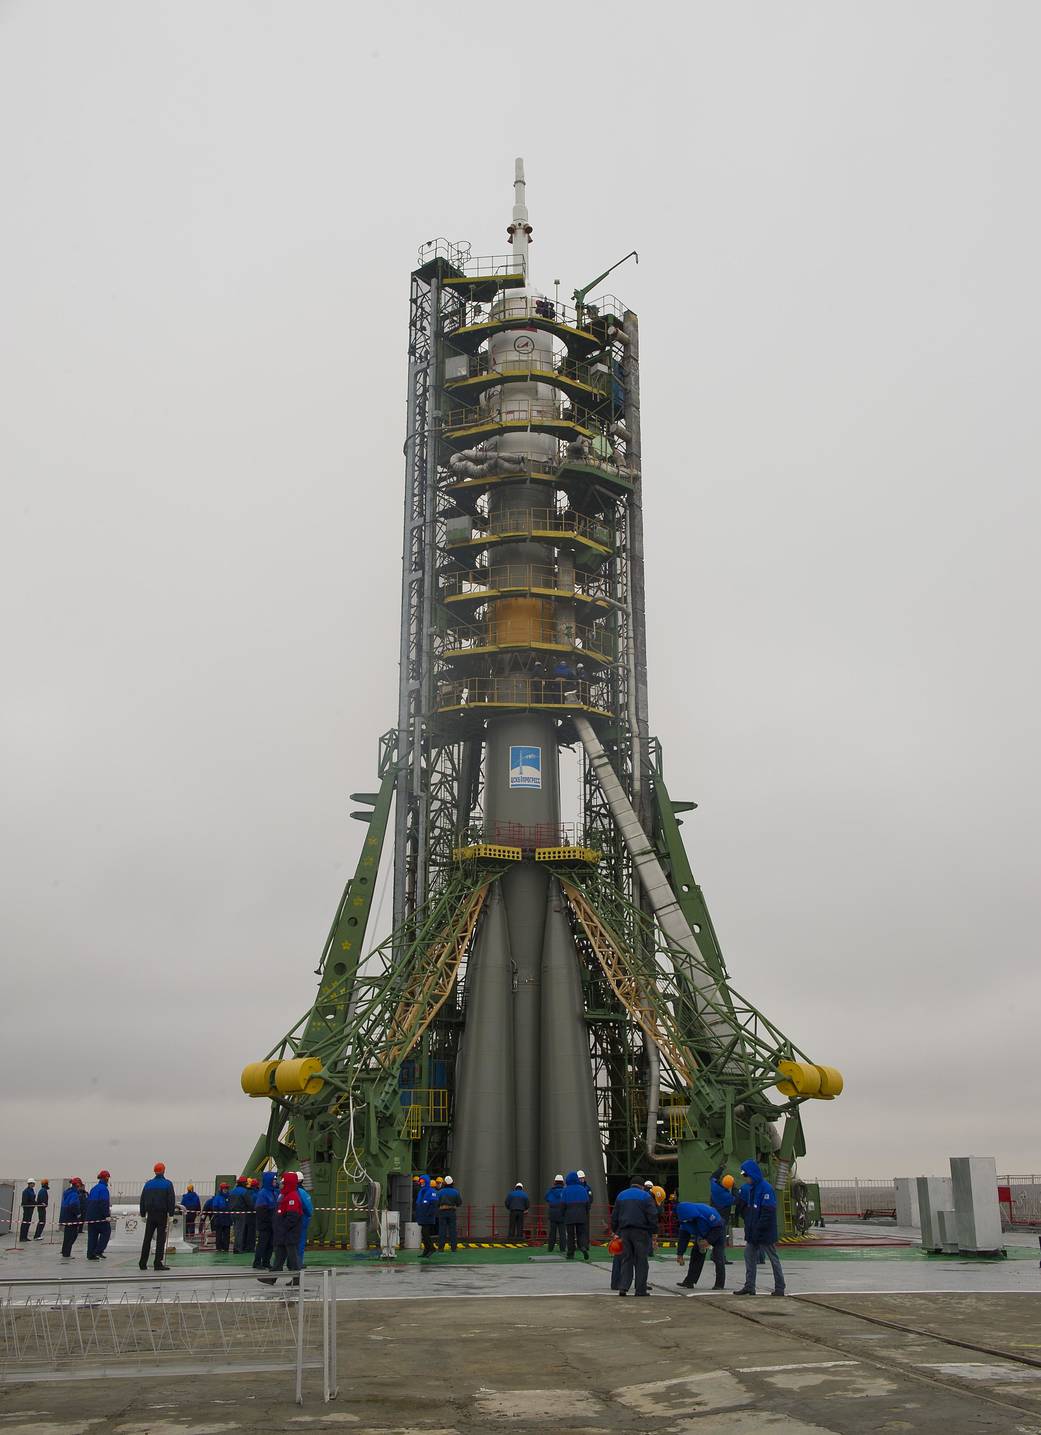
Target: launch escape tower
{"type": "Point", "coordinates": [552, 994]}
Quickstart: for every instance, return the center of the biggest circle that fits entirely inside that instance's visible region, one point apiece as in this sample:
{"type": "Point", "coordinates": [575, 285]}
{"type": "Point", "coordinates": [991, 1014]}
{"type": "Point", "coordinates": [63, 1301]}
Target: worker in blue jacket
{"type": "Point", "coordinates": [760, 1200]}
{"type": "Point", "coordinates": [577, 1200]}
{"type": "Point", "coordinates": [99, 1209]}
{"type": "Point", "coordinates": [220, 1217]}
{"type": "Point", "coordinates": [157, 1205]}
{"type": "Point", "coordinates": [264, 1210]}
{"type": "Point", "coordinates": [72, 1215]}
{"type": "Point", "coordinates": [28, 1207]}
{"type": "Point", "coordinates": [517, 1203]}
{"type": "Point", "coordinates": [448, 1202]}
{"type": "Point", "coordinates": [42, 1199]}
{"type": "Point", "coordinates": [240, 1202]}
{"type": "Point", "coordinates": [703, 1229]}
{"type": "Point", "coordinates": [720, 1195]}
{"type": "Point", "coordinates": [555, 1213]}
{"type": "Point", "coordinates": [634, 1219]}
{"type": "Point", "coordinates": [308, 1205]}
{"type": "Point", "coordinates": [191, 1206]}
{"type": "Point", "coordinates": [426, 1214]}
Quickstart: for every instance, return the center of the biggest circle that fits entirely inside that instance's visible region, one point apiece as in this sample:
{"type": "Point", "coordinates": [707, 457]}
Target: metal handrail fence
{"type": "Point", "coordinates": [194, 1323]}
{"type": "Point", "coordinates": [522, 578]}
{"type": "Point", "coordinates": [515, 691]}
{"type": "Point", "coordinates": [560, 366]}
{"type": "Point", "coordinates": [597, 642]}
{"type": "Point", "coordinates": [522, 522]}
{"type": "Point", "coordinates": [532, 306]}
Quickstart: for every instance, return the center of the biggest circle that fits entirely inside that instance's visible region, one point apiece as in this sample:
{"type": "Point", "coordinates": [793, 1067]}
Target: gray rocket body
{"type": "Point", "coordinates": [524, 1005]}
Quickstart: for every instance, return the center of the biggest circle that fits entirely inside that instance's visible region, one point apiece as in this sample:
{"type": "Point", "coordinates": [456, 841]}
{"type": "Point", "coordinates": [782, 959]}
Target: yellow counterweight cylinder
{"type": "Point", "coordinates": [256, 1077]}
{"type": "Point", "coordinates": [299, 1076]}
{"type": "Point", "coordinates": [803, 1078]}
{"type": "Point", "coordinates": [799, 1078]}
{"type": "Point", "coordinates": [831, 1083]}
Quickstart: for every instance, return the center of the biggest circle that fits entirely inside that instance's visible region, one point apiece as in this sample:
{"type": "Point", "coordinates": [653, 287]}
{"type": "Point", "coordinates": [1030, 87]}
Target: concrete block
{"type": "Point", "coordinates": [947, 1225]}
{"type": "Point", "coordinates": [975, 1181]}
{"type": "Point", "coordinates": [935, 1193]}
{"type": "Point", "coordinates": [906, 1189]}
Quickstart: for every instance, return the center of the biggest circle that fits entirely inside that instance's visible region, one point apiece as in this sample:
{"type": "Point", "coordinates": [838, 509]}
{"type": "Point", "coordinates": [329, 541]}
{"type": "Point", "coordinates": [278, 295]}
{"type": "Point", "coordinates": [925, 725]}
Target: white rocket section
{"type": "Point", "coordinates": [520, 229]}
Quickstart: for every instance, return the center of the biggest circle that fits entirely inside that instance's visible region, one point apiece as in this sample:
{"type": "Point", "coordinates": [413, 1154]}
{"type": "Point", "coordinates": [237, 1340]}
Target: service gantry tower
{"type": "Point", "coordinates": [552, 994]}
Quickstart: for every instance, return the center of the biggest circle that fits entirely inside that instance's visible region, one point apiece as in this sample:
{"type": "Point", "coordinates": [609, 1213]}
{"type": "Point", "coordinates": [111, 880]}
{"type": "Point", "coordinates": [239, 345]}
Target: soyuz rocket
{"type": "Point", "coordinates": [525, 1104]}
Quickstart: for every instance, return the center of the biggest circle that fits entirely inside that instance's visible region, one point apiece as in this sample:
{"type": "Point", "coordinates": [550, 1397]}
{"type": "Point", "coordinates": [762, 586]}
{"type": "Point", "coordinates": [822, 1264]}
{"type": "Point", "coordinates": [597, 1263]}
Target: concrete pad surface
{"type": "Point", "coordinates": [594, 1364]}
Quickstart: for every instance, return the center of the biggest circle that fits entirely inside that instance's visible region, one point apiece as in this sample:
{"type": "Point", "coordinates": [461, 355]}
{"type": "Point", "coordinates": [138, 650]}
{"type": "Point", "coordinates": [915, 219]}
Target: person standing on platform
{"type": "Point", "coordinates": [71, 1215]}
{"type": "Point", "coordinates": [555, 1215]}
{"type": "Point", "coordinates": [43, 1197]}
{"type": "Point", "coordinates": [517, 1204]}
{"type": "Point", "coordinates": [264, 1211]}
{"type": "Point", "coordinates": [703, 1229]}
{"type": "Point", "coordinates": [448, 1203]}
{"type": "Point", "coordinates": [99, 1209]}
{"type": "Point", "coordinates": [191, 1206]}
{"type": "Point", "coordinates": [239, 1203]}
{"type": "Point", "coordinates": [286, 1223]}
{"type": "Point", "coordinates": [760, 1229]}
{"type": "Point", "coordinates": [426, 1215]}
{"type": "Point", "coordinates": [157, 1205]}
{"type": "Point", "coordinates": [216, 1208]}
{"type": "Point", "coordinates": [28, 1199]}
{"type": "Point", "coordinates": [721, 1195]}
{"type": "Point", "coordinates": [634, 1219]}
{"type": "Point", "coordinates": [577, 1197]}
{"type": "Point", "coordinates": [308, 1205]}
{"type": "Point", "coordinates": [250, 1235]}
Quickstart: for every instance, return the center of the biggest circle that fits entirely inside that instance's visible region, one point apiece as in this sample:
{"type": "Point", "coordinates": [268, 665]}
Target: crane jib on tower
{"type": "Point", "coordinates": [552, 993]}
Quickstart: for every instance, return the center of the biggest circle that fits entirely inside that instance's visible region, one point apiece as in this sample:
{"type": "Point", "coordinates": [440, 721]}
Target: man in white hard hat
{"type": "Point", "coordinates": [448, 1202]}
{"type": "Point", "coordinates": [555, 1213]}
{"type": "Point", "coordinates": [517, 1204]}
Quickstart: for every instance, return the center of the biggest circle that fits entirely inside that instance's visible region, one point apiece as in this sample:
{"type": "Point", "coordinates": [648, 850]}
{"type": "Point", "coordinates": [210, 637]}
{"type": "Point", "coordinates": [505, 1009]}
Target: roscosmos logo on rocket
{"type": "Point", "coordinates": [526, 767]}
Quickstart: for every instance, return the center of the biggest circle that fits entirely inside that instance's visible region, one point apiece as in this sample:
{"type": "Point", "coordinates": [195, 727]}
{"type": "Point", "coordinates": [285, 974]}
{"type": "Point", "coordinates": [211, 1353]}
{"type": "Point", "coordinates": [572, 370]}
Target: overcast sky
{"type": "Point", "coordinates": [210, 212]}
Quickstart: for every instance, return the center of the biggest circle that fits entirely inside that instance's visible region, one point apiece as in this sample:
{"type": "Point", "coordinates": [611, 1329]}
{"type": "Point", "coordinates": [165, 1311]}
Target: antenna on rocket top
{"type": "Point", "coordinates": [519, 232]}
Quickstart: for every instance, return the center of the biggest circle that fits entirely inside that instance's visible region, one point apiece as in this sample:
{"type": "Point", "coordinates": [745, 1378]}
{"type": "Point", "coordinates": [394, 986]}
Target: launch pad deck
{"type": "Point", "coordinates": [838, 1362]}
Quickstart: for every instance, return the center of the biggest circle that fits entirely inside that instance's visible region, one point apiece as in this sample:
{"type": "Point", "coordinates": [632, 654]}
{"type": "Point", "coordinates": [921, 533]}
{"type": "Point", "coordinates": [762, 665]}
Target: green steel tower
{"type": "Point", "coordinates": [552, 993]}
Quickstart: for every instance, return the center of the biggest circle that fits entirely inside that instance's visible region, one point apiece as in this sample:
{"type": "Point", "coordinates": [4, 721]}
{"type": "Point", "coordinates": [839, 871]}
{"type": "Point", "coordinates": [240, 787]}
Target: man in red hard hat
{"type": "Point", "coordinates": [157, 1205]}
{"type": "Point", "coordinates": [99, 1226]}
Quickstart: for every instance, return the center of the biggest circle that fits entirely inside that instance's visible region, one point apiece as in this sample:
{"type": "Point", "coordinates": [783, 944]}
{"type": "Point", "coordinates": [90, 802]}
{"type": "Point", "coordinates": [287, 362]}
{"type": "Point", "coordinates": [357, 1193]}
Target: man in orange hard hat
{"type": "Point", "coordinates": [157, 1205]}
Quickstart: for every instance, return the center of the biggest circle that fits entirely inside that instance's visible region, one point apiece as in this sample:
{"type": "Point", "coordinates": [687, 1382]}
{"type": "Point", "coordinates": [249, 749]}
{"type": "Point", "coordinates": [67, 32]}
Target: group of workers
{"type": "Point", "coordinates": [248, 1213]}
{"type": "Point", "coordinates": [703, 1228]}
{"type": "Point", "coordinates": [437, 1200]}
{"type": "Point", "coordinates": [270, 1217]}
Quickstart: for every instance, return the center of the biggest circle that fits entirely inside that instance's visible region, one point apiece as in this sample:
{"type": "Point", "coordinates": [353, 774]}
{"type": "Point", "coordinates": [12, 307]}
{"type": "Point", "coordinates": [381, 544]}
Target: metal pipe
{"type": "Point", "coordinates": [655, 883]}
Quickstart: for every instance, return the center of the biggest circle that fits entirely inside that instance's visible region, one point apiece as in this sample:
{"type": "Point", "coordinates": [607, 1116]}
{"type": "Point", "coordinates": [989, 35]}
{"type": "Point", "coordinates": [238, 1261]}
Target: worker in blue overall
{"type": "Point", "coordinates": [448, 1202]}
{"type": "Point", "coordinates": [760, 1201]}
{"type": "Point", "coordinates": [517, 1203]}
{"type": "Point", "coordinates": [308, 1205]}
{"type": "Point", "coordinates": [99, 1209]}
{"type": "Point", "coordinates": [634, 1219]}
{"type": "Point", "coordinates": [555, 1215]}
{"type": "Point", "coordinates": [425, 1213]}
{"type": "Point", "coordinates": [704, 1230]}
